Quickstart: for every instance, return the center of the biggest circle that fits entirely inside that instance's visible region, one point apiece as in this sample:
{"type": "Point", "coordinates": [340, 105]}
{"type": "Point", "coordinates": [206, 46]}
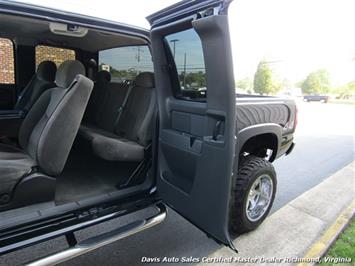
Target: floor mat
{"type": "Point", "coordinates": [86, 175]}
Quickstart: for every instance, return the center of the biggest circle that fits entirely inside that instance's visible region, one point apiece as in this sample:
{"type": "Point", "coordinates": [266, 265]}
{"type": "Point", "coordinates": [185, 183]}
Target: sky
{"type": "Point", "coordinates": [188, 51]}
{"type": "Point", "coordinates": [295, 36]}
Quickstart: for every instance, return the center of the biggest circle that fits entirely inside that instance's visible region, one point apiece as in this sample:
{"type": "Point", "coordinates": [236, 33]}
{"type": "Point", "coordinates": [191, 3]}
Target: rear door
{"type": "Point", "coordinates": [196, 99]}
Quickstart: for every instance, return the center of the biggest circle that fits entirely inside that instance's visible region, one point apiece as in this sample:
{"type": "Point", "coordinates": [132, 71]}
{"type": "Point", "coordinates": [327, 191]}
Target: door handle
{"type": "Point", "coordinates": [216, 129]}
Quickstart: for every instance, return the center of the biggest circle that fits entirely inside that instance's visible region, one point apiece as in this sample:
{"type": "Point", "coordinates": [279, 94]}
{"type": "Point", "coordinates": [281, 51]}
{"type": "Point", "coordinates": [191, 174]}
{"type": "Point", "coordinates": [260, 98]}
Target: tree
{"type": "Point", "coordinates": [244, 84]}
{"type": "Point", "coordinates": [317, 82]}
{"type": "Point", "coordinates": [345, 91]}
{"type": "Point", "coordinates": [193, 79]}
{"type": "Point", "coordinates": [263, 79]}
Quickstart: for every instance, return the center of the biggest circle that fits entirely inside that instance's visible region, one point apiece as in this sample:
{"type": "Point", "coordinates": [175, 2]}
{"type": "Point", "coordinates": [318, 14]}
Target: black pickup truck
{"type": "Point", "coordinates": [101, 119]}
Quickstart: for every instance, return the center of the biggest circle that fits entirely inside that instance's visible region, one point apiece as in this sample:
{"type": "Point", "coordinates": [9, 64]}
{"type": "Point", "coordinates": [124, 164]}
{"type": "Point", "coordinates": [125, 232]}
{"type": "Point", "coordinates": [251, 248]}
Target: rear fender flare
{"type": "Point", "coordinates": [247, 133]}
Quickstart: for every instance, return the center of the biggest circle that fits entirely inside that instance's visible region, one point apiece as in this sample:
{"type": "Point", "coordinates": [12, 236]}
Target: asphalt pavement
{"type": "Point", "coordinates": [325, 143]}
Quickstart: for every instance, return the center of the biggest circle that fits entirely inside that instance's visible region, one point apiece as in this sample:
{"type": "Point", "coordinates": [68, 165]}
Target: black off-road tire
{"type": "Point", "coordinates": [250, 168]}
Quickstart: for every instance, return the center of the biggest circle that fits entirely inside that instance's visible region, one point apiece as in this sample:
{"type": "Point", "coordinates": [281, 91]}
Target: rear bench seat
{"type": "Point", "coordinates": [121, 137]}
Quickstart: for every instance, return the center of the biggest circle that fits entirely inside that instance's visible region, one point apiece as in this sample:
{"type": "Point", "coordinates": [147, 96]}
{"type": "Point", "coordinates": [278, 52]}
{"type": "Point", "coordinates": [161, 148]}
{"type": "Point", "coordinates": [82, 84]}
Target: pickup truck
{"type": "Point", "coordinates": [316, 98]}
{"type": "Point", "coordinates": [102, 119]}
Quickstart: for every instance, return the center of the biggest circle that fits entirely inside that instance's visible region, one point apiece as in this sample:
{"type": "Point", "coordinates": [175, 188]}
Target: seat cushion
{"type": "Point", "coordinates": [89, 131]}
{"type": "Point", "coordinates": [123, 125]}
{"type": "Point", "coordinates": [111, 147]}
{"type": "Point", "coordinates": [10, 152]}
{"type": "Point", "coordinates": [14, 164]}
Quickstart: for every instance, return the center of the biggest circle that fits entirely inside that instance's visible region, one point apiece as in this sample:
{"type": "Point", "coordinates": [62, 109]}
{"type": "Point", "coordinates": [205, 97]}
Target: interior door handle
{"type": "Point", "coordinates": [216, 129]}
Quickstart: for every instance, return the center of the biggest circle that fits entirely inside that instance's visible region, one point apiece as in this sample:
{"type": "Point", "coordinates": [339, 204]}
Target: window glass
{"type": "Point", "coordinates": [186, 49]}
{"type": "Point", "coordinates": [125, 63]}
{"type": "Point", "coordinates": [7, 65]}
{"type": "Point", "coordinates": [55, 54]}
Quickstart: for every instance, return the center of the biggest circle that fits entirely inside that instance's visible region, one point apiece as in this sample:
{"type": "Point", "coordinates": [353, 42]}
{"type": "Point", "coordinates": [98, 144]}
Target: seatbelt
{"type": "Point", "coordinates": [24, 92]}
{"type": "Point", "coordinates": [124, 103]}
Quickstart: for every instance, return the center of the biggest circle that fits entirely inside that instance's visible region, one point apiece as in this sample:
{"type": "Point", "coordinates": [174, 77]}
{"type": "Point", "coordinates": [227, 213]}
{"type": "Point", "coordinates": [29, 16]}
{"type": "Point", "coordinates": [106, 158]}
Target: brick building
{"type": "Point", "coordinates": [57, 55]}
{"type": "Point", "coordinates": [7, 66]}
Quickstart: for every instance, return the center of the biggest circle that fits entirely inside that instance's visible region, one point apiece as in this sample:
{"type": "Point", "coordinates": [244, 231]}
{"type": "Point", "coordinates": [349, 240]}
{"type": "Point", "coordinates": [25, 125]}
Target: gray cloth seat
{"type": "Point", "coordinates": [111, 147]}
{"type": "Point", "coordinates": [40, 82]}
{"type": "Point", "coordinates": [126, 138]}
{"type": "Point", "coordinates": [48, 131]}
{"type": "Point", "coordinates": [13, 164]}
{"type": "Point", "coordinates": [98, 97]}
{"type": "Point", "coordinates": [104, 102]}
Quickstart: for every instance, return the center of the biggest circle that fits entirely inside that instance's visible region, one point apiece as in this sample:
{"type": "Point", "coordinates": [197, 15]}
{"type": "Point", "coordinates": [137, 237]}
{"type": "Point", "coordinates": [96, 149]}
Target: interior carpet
{"type": "Point", "coordinates": [86, 175]}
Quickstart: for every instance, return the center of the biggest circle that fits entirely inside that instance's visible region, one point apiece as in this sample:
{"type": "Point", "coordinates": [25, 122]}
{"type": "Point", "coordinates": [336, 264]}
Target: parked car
{"type": "Point", "coordinates": [316, 98]}
{"type": "Point", "coordinates": [82, 149]}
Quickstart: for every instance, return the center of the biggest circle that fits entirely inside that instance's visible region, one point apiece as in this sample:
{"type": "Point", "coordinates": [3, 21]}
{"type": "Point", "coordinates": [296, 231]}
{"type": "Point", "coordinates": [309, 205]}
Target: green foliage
{"type": "Point", "coordinates": [121, 75]}
{"type": "Point", "coordinates": [263, 83]}
{"type": "Point", "coordinates": [346, 91]}
{"type": "Point", "coordinates": [345, 245]}
{"type": "Point", "coordinates": [193, 80]}
{"type": "Point", "coordinates": [317, 82]}
{"type": "Point", "coordinates": [277, 86]}
{"type": "Point", "coordinates": [244, 84]}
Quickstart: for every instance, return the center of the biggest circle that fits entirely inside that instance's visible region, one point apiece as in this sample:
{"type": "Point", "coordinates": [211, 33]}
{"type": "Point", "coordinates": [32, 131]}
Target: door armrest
{"type": "Point", "coordinates": [12, 114]}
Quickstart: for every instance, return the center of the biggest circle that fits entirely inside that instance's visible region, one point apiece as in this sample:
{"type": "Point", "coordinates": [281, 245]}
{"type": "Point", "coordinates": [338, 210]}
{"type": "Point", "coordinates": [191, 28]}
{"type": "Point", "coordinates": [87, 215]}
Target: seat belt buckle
{"type": "Point", "coordinates": [120, 109]}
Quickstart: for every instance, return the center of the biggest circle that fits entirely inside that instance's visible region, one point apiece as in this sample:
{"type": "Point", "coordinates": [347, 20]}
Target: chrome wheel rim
{"type": "Point", "coordinates": [259, 197]}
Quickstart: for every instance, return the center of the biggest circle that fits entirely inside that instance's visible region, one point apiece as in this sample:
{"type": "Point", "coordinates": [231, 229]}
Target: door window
{"type": "Point", "coordinates": [55, 54]}
{"type": "Point", "coordinates": [186, 49]}
{"type": "Point", "coordinates": [125, 63]}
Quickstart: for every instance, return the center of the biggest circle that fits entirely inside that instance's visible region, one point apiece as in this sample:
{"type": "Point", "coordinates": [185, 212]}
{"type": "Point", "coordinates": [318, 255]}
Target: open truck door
{"type": "Point", "coordinates": [197, 122]}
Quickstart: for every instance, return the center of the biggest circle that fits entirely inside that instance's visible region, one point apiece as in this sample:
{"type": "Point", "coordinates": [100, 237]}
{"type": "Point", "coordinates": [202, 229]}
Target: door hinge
{"type": "Point", "coordinates": [208, 12]}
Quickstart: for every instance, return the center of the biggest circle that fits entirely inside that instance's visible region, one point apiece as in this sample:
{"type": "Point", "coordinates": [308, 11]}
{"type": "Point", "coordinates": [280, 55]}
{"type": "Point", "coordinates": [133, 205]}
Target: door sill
{"type": "Point", "coordinates": [99, 241]}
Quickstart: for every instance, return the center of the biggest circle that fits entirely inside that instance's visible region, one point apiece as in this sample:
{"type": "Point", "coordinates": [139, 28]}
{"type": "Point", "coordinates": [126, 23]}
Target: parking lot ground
{"type": "Point", "coordinates": [289, 233]}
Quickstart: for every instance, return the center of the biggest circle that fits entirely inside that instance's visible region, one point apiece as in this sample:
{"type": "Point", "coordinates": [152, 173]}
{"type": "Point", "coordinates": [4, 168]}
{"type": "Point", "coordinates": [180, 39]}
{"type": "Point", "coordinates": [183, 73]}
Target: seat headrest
{"type": "Point", "coordinates": [67, 72]}
{"type": "Point", "coordinates": [103, 76]}
{"type": "Point", "coordinates": [46, 71]}
{"type": "Point", "coordinates": [145, 79]}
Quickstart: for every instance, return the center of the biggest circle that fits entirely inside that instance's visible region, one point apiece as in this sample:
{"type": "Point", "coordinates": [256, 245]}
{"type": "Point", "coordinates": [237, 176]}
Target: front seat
{"type": "Point", "coordinates": [40, 82]}
{"type": "Point", "coordinates": [27, 172]}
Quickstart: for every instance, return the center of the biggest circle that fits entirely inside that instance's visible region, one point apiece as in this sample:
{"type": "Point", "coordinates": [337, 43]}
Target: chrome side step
{"type": "Point", "coordinates": [99, 241]}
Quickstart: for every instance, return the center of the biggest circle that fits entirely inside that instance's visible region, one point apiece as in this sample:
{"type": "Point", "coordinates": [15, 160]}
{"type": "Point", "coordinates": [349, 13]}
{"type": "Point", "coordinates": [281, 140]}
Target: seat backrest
{"type": "Point", "coordinates": [105, 101]}
{"type": "Point", "coordinates": [49, 129]}
{"type": "Point", "coordinates": [98, 97]}
{"type": "Point", "coordinates": [136, 120]}
{"type": "Point", "coordinates": [112, 104]}
{"type": "Point", "coordinates": [41, 81]}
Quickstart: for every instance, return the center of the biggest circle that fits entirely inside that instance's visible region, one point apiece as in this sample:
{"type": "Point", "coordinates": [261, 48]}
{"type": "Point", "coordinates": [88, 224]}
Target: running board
{"type": "Point", "coordinates": [99, 241]}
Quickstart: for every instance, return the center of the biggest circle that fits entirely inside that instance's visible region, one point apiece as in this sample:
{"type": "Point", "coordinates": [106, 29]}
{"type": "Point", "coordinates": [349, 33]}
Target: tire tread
{"type": "Point", "coordinates": [248, 166]}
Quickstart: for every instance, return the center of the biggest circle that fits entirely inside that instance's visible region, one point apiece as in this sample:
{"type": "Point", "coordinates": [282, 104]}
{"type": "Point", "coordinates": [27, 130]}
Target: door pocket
{"type": "Point", "coordinates": [181, 152]}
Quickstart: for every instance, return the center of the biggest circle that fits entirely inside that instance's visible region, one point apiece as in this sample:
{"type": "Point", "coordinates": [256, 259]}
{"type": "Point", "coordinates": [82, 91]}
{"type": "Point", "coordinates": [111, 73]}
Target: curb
{"type": "Point", "coordinates": [322, 245]}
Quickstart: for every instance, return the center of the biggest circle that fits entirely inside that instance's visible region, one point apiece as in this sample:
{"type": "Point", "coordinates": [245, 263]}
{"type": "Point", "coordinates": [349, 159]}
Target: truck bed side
{"type": "Point", "coordinates": [260, 115]}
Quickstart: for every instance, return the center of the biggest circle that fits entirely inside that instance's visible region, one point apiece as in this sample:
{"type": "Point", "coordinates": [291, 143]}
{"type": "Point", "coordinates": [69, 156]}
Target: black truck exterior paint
{"type": "Point", "coordinates": [257, 116]}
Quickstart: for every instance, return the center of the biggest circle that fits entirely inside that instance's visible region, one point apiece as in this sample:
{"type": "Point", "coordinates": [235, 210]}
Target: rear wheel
{"type": "Point", "coordinates": [253, 194]}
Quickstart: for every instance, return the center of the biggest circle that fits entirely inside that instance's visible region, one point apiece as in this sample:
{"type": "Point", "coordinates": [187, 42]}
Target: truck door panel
{"type": "Point", "coordinates": [196, 147]}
